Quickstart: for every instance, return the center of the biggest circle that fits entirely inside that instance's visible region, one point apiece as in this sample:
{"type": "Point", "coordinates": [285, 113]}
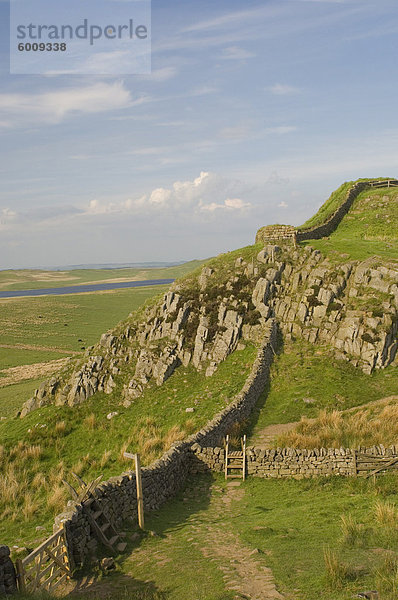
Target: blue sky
{"type": "Point", "coordinates": [253, 113]}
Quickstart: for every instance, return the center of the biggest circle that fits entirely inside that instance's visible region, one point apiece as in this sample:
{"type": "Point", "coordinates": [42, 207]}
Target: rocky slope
{"type": "Point", "coordinates": [350, 306]}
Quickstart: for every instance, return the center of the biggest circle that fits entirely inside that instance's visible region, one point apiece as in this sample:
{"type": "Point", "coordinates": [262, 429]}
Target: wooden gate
{"type": "Point", "coordinates": [46, 567]}
{"type": "Point", "coordinates": [369, 464]}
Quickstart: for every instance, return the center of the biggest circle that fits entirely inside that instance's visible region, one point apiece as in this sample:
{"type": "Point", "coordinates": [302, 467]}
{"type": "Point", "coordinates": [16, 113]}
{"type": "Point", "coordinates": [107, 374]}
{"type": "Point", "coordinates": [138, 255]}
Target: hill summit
{"type": "Point", "coordinates": [350, 305]}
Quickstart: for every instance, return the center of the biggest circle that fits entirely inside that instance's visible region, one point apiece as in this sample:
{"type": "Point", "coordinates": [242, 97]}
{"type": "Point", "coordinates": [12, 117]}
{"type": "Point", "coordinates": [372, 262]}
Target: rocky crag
{"type": "Point", "coordinates": [350, 306]}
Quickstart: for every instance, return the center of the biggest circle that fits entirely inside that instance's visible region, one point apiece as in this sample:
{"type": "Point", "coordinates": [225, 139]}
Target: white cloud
{"type": "Point", "coordinates": [282, 204]}
{"type": "Point", "coordinates": [205, 194]}
{"type": "Point", "coordinates": [229, 204]}
{"type": "Point", "coordinates": [53, 107]}
{"type": "Point", "coordinates": [282, 89]}
{"type": "Point", "coordinates": [236, 53]}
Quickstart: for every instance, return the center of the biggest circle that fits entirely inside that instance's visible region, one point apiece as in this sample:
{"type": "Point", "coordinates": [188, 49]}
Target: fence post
{"type": "Point", "coordinates": [20, 575]}
{"type": "Point", "coordinates": [140, 497]}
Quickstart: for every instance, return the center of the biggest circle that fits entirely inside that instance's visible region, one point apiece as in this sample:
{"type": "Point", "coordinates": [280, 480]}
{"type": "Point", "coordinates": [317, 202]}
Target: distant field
{"type": "Point", "coordinates": [36, 279]}
{"type": "Point", "coordinates": [68, 322]}
{"type": "Point", "coordinates": [38, 330]}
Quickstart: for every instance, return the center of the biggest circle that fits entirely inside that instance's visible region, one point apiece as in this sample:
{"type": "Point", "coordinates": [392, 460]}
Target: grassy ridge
{"type": "Point", "coordinates": [369, 228]}
{"type": "Point", "coordinates": [329, 207]}
{"type": "Point", "coordinates": [332, 203]}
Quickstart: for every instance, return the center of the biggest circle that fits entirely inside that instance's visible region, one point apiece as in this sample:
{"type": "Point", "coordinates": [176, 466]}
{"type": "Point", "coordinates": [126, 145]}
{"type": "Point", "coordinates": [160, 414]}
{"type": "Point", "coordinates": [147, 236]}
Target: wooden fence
{"type": "Point", "coordinates": [46, 567]}
{"type": "Point", "coordinates": [368, 464]}
{"type": "Point", "coordinates": [386, 183]}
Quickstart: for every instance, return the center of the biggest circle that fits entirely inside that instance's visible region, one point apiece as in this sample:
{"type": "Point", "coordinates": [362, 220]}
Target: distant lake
{"type": "Point", "coordinates": [79, 289]}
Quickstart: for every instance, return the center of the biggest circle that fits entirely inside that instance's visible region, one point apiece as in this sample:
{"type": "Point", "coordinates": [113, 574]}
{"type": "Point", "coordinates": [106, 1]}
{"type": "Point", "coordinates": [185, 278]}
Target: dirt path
{"type": "Point", "coordinates": [243, 568]}
{"type": "Point", "coordinates": [41, 349]}
{"type": "Point", "coordinates": [35, 371]}
{"type": "Point", "coordinates": [265, 437]}
{"type": "Point", "coordinates": [209, 534]}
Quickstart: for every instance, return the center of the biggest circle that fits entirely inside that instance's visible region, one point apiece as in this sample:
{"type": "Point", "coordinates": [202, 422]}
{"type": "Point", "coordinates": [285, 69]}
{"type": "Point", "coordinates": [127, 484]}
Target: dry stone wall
{"type": "Point", "coordinates": [324, 230]}
{"type": "Point", "coordinates": [166, 476]}
{"type": "Point", "coordinates": [276, 233]}
{"type": "Point", "coordinates": [291, 462]}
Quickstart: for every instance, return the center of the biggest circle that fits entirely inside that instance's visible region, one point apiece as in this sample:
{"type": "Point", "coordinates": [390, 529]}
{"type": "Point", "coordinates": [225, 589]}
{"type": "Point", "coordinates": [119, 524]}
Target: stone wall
{"type": "Point", "coordinates": [327, 228]}
{"type": "Point", "coordinates": [287, 232]}
{"type": "Point", "coordinates": [8, 579]}
{"type": "Point", "coordinates": [272, 233]}
{"type": "Point", "coordinates": [292, 462]}
{"type": "Point", "coordinates": [166, 476]}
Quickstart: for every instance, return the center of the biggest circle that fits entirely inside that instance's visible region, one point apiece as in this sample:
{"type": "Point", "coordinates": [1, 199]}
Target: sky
{"type": "Point", "coordinates": [253, 113]}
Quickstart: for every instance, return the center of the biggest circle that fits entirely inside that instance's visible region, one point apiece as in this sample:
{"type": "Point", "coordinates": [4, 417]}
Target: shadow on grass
{"type": "Point", "coordinates": [91, 582]}
{"type": "Point", "coordinates": [253, 419]}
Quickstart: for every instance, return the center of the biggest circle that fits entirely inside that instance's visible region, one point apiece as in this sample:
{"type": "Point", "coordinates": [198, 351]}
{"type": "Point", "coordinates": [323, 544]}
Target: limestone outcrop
{"type": "Point", "coordinates": [351, 307]}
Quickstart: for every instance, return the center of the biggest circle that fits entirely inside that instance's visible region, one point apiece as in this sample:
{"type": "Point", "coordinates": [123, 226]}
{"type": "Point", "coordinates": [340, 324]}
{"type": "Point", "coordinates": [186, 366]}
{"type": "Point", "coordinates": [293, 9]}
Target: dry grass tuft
{"type": "Point", "coordinates": [60, 428]}
{"type": "Point", "coordinates": [336, 571]}
{"type": "Point", "coordinates": [386, 513]}
{"type": "Point", "coordinates": [58, 498]}
{"type": "Point", "coordinates": [30, 506]}
{"type": "Point", "coordinates": [105, 458]}
{"type": "Point", "coordinates": [174, 434]}
{"type": "Point", "coordinates": [367, 426]}
{"type": "Point", "coordinates": [39, 481]}
{"type": "Point", "coordinates": [90, 422]}
{"type": "Point", "coordinates": [351, 530]}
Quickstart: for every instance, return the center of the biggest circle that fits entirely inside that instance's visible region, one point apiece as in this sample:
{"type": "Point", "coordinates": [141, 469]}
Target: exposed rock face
{"type": "Point", "coordinates": [352, 307]}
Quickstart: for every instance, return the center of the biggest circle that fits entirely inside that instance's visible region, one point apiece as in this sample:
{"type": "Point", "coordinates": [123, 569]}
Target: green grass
{"type": "Point", "coordinates": [51, 327]}
{"type": "Point", "coordinates": [292, 522]}
{"type": "Point", "coordinates": [186, 574]}
{"type": "Point", "coordinates": [333, 202]}
{"type": "Point", "coordinates": [35, 279]}
{"type": "Point", "coordinates": [59, 322]}
{"type": "Point", "coordinates": [370, 228]}
{"type": "Point", "coordinates": [147, 424]}
{"type": "Point", "coordinates": [13, 396]}
{"type": "Point", "coordinates": [14, 357]}
{"type": "Point", "coordinates": [305, 371]}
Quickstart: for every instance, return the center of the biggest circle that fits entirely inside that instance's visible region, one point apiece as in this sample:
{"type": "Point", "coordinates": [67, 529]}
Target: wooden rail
{"type": "Point", "coordinates": [386, 183]}
{"type": "Point", "coordinates": [46, 567]}
{"type": "Point", "coordinates": [368, 464]}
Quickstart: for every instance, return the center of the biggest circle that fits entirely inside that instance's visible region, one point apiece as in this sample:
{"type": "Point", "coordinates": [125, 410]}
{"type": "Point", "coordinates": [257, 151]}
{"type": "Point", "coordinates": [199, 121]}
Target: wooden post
{"type": "Point", "coordinates": [138, 481]}
{"type": "Point", "coordinates": [355, 464]}
{"type": "Point", "coordinates": [140, 497]}
{"type": "Point", "coordinates": [244, 458]}
{"type": "Point", "coordinates": [226, 457]}
{"type": "Point", "coordinates": [20, 575]}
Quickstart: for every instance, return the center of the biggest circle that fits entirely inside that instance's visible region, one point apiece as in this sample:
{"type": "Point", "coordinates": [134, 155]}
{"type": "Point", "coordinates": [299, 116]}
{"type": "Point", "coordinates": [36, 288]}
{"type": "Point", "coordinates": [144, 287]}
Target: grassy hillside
{"type": "Point", "coordinates": [333, 202]}
{"type": "Point", "coordinates": [370, 228]}
{"type": "Point", "coordinates": [306, 379]}
{"type": "Point", "coordinates": [323, 539]}
{"type": "Point", "coordinates": [41, 449]}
